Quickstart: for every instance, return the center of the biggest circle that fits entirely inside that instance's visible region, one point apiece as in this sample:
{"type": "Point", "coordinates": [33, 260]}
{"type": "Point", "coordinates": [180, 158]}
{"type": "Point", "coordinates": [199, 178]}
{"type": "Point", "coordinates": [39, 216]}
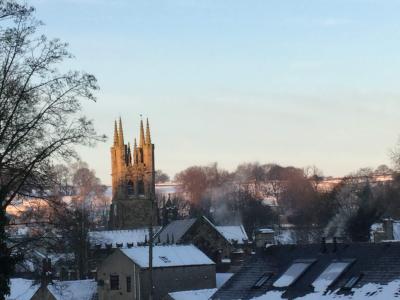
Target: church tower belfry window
{"type": "Point", "coordinates": [130, 188]}
{"type": "Point", "coordinates": [140, 187]}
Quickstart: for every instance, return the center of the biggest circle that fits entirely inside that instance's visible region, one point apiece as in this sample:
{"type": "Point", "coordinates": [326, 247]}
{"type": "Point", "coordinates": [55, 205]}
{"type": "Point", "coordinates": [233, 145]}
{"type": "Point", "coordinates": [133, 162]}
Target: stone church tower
{"type": "Point", "coordinates": [133, 180]}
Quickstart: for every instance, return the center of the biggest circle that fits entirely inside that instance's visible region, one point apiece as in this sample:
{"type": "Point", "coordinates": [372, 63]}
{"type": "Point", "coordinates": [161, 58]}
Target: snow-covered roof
{"type": "Point", "coordinates": [168, 256]}
{"type": "Point", "coordinates": [73, 290]}
{"type": "Point", "coordinates": [377, 227]}
{"type": "Point", "coordinates": [193, 295]}
{"type": "Point", "coordinates": [221, 278]}
{"type": "Point", "coordinates": [368, 291]}
{"type": "Point", "coordinates": [366, 270]}
{"type": "Point", "coordinates": [166, 188]}
{"type": "Point", "coordinates": [22, 289]}
{"type": "Point", "coordinates": [265, 230]}
{"type": "Point", "coordinates": [54, 257]}
{"type": "Point", "coordinates": [286, 236]}
{"type": "Point", "coordinates": [233, 233]}
{"type": "Point", "coordinates": [175, 230]}
{"type": "Point", "coordinates": [123, 237]}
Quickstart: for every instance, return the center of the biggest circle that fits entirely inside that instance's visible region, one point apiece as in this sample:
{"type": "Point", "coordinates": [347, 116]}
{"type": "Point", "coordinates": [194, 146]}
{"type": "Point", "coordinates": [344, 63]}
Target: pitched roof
{"type": "Point", "coordinates": [123, 237]}
{"type": "Point", "coordinates": [193, 295]}
{"type": "Point", "coordinates": [368, 291]}
{"type": "Point", "coordinates": [233, 233]}
{"type": "Point", "coordinates": [168, 256]}
{"type": "Point", "coordinates": [378, 264]}
{"type": "Point", "coordinates": [221, 278]}
{"type": "Point", "coordinates": [177, 229]}
{"type": "Point", "coordinates": [22, 289]}
{"type": "Point", "coordinates": [73, 290]}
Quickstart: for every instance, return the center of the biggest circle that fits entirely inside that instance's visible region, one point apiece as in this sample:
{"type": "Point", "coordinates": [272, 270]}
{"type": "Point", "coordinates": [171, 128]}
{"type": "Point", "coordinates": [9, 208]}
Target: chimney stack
{"type": "Point", "coordinates": [46, 272]}
{"type": "Point", "coordinates": [335, 246]}
{"type": "Point", "coordinates": [323, 245]}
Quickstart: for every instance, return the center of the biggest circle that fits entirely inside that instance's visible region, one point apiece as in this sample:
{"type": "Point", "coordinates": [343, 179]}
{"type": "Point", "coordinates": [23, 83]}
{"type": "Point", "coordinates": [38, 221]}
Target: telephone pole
{"type": "Point", "coordinates": [151, 244]}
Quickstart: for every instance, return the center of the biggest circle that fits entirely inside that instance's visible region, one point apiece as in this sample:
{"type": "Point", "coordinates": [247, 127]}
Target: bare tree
{"type": "Point", "coordinates": [194, 182]}
{"type": "Point", "coordinates": [40, 112]}
{"type": "Point", "coordinates": [161, 177]}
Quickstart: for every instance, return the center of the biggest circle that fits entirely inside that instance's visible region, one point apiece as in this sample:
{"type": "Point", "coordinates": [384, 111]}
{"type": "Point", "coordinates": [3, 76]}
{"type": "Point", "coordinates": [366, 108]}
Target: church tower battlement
{"type": "Point", "coordinates": [133, 179]}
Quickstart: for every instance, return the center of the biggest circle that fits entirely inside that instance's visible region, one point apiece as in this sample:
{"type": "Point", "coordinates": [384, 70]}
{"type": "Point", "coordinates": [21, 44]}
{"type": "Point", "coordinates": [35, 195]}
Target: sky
{"type": "Point", "coordinates": [294, 82]}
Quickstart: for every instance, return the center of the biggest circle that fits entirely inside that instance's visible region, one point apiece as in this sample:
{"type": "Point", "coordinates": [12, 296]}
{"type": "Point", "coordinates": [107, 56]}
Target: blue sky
{"type": "Point", "coordinates": [300, 82]}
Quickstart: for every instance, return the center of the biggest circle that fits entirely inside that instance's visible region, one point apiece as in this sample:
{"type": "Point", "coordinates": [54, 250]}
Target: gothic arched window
{"type": "Point", "coordinates": [131, 188]}
{"type": "Point", "coordinates": [140, 187]}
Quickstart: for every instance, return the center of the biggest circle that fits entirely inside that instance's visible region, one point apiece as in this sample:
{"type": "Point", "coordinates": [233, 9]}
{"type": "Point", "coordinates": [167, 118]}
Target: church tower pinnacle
{"type": "Point", "coordinates": [133, 180]}
{"type": "Point", "coordinates": [141, 141]}
{"type": "Point", "coordinates": [148, 137]}
{"type": "Point", "coordinates": [120, 133]}
{"type": "Point", "coordinates": [115, 133]}
{"type": "Point", "coordinates": [135, 153]}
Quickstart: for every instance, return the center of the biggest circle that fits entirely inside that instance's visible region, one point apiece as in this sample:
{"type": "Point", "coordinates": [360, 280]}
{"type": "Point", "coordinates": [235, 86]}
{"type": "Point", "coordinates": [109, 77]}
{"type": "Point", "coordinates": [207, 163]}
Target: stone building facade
{"type": "Point", "coordinates": [219, 243]}
{"type": "Point", "coordinates": [125, 273]}
{"type": "Point", "coordinates": [133, 180]}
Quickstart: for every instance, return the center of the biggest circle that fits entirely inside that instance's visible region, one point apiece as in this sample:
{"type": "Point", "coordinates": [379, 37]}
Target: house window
{"type": "Point", "coordinates": [114, 282]}
{"type": "Point", "coordinates": [293, 272]}
{"type": "Point", "coordinates": [330, 275]}
{"type": "Point", "coordinates": [128, 284]}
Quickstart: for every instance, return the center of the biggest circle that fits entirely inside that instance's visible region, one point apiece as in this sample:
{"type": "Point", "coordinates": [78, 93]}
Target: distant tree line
{"type": "Point", "coordinates": [347, 211]}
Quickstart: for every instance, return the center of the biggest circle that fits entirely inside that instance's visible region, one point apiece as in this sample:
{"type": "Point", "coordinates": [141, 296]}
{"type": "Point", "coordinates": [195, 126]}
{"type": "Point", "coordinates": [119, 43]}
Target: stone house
{"type": "Point", "coordinates": [125, 273]}
{"type": "Point", "coordinates": [223, 244]}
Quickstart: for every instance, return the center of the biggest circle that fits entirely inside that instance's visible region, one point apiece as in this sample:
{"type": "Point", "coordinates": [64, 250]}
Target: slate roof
{"type": "Point", "coordinates": [234, 233]}
{"type": "Point", "coordinates": [379, 263]}
{"type": "Point", "coordinates": [123, 237]}
{"type": "Point", "coordinates": [22, 289]}
{"type": "Point", "coordinates": [193, 295]}
{"type": "Point", "coordinates": [73, 290]}
{"type": "Point", "coordinates": [177, 229]}
{"type": "Point", "coordinates": [168, 256]}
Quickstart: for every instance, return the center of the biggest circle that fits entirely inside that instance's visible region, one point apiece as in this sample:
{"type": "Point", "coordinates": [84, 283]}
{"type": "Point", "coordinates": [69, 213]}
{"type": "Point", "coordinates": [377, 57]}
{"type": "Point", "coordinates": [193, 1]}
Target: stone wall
{"type": "Point", "coordinates": [166, 280]}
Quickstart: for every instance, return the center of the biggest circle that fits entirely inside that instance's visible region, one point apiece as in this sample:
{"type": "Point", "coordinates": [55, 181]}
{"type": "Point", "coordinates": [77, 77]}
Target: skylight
{"type": "Point", "coordinates": [352, 282]}
{"type": "Point", "coordinates": [329, 275]}
{"type": "Point", "coordinates": [263, 279]}
{"type": "Point", "coordinates": [164, 259]}
{"type": "Point", "coordinates": [293, 273]}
